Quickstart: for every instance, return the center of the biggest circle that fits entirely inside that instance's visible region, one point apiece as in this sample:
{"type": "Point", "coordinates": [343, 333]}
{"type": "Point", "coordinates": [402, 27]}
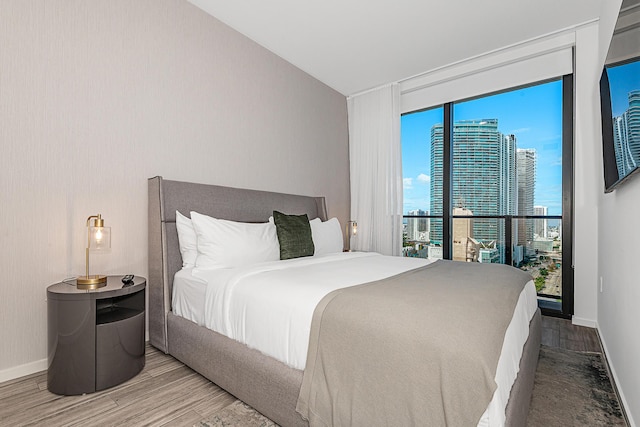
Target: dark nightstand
{"type": "Point", "coordinates": [96, 337]}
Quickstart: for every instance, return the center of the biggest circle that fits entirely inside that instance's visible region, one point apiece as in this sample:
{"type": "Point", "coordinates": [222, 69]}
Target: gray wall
{"type": "Point", "coordinates": [618, 237]}
{"type": "Point", "coordinates": [97, 96]}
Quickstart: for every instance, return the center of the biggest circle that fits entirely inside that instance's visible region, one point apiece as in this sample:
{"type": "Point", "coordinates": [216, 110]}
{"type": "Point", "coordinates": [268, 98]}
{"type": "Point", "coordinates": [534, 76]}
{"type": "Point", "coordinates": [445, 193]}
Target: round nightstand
{"type": "Point", "coordinates": [96, 336]}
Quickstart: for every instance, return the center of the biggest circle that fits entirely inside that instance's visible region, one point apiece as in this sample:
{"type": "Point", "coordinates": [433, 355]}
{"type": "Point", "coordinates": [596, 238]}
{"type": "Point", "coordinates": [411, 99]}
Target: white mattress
{"type": "Point", "coordinates": [269, 307]}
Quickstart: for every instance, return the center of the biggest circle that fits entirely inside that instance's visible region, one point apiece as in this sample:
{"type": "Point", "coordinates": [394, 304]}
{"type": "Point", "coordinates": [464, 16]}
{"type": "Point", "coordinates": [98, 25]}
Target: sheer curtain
{"type": "Point", "coordinates": [376, 170]}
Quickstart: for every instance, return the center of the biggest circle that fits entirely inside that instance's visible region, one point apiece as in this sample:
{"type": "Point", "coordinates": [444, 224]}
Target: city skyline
{"type": "Point", "coordinates": [626, 135]}
{"type": "Point", "coordinates": [624, 94]}
{"type": "Point", "coordinates": [532, 114]}
{"type": "Point", "coordinates": [623, 80]}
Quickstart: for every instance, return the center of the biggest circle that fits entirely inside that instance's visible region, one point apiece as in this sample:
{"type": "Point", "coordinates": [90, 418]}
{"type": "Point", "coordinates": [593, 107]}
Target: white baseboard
{"type": "Point", "coordinates": [33, 367]}
{"type": "Point", "coordinates": [619, 391]}
{"type": "Point", "coordinates": [22, 370]}
{"type": "Point", "coordinates": [584, 322]}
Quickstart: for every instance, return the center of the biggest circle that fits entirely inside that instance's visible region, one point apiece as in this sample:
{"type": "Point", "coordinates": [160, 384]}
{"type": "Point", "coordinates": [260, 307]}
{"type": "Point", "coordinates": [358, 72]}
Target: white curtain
{"type": "Point", "coordinates": [376, 170]}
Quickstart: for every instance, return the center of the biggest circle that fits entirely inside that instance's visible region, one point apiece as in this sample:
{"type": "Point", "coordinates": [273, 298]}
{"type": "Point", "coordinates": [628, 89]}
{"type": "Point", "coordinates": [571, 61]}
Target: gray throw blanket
{"type": "Point", "coordinates": [419, 348]}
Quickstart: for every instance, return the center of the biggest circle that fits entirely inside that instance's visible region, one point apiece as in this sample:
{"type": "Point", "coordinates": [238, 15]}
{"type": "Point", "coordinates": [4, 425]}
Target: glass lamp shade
{"type": "Point", "coordinates": [98, 239]}
{"type": "Point", "coordinates": [351, 230]}
{"type": "Point", "coordinates": [354, 228]}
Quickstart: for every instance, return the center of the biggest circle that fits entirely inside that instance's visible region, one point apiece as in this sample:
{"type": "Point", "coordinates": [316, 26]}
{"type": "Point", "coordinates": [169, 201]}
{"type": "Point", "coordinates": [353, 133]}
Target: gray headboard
{"type": "Point", "coordinates": [165, 197]}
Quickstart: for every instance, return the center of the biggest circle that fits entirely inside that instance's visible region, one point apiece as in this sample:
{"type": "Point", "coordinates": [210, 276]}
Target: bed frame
{"type": "Point", "coordinates": [268, 385]}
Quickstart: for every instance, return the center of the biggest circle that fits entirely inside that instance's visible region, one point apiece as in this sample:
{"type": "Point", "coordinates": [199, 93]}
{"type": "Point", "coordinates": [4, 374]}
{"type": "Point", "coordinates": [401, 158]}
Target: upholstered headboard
{"type": "Point", "coordinates": [165, 197]}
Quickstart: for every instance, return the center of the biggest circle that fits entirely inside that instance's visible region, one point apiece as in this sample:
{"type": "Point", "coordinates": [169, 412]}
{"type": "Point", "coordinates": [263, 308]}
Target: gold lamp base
{"type": "Point", "coordinates": [91, 282]}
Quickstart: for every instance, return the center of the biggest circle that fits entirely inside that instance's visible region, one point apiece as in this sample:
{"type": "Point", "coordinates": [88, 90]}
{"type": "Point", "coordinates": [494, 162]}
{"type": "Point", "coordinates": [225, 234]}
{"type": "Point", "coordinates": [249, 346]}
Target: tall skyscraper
{"type": "Point", "coordinates": [624, 160]}
{"type": "Point", "coordinates": [436, 168]}
{"type": "Point", "coordinates": [626, 135]}
{"type": "Point", "coordinates": [509, 176]}
{"type": "Point", "coordinates": [541, 226]}
{"type": "Point", "coordinates": [484, 175]}
{"type": "Point", "coordinates": [526, 168]}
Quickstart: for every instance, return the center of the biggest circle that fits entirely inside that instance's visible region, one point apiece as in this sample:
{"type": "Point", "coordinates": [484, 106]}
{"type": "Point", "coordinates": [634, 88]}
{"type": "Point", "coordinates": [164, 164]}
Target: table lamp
{"type": "Point", "coordinates": [98, 238]}
{"type": "Point", "coordinates": [352, 230]}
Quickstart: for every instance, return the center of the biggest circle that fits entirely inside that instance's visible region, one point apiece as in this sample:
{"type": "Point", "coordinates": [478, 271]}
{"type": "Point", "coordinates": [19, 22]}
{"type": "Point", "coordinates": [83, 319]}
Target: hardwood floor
{"type": "Point", "coordinates": [561, 333]}
{"type": "Point", "coordinates": [167, 393]}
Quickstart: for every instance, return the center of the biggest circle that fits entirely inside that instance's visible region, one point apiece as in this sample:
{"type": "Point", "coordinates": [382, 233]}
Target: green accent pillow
{"type": "Point", "coordinates": [294, 235]}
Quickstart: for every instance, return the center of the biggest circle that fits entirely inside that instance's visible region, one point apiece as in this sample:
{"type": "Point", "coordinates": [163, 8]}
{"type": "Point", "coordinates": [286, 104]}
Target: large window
{"type": "Point", "coordinates": [484, 181]}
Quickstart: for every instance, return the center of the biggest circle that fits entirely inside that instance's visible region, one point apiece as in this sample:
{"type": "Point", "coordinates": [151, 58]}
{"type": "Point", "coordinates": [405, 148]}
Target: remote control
{"type": "Point", "coordinates": [128, 278]}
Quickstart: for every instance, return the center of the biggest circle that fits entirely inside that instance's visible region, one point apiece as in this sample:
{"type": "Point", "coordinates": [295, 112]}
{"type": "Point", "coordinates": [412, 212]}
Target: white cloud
{"type": "Point", "coordinates": [423, 178]}
{"type": "Point", "coordinates": [413, 203]}
{"type": "Point", "coordinates": [407, 183]}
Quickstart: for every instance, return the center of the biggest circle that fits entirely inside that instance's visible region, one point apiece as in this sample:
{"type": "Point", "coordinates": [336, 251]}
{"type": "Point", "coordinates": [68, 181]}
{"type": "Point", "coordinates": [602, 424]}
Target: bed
{"type": "Point", "coordinates": [267, 384]}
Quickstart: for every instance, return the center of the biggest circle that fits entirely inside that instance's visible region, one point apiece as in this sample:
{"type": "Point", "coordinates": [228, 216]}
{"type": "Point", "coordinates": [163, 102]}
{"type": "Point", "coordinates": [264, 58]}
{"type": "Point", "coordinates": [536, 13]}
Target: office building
{"type": "Point", "coordinates": [463, 246]}
{"type": "Point", "coordinates": [526, 168]}
{"type": "Point", "coordinates": [626, 136]}
{"type": "Point", "coordinates": [541, 226]}
{"type": "Point", "coordinates": [418, 228]}
{"type": "Point", "coordinates": [484, 175]}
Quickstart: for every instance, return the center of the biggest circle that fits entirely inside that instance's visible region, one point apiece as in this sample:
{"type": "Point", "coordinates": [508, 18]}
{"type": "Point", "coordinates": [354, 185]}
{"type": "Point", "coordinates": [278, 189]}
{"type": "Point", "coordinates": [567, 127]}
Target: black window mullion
{"type": "Point", "coordinates": [566, 307]}
{"type": "Point", "coordinates": [567, 194]}
{"type": "Point", "coordinates": [508, 255]}
{"type": "Point", "coordinates": [447, 159]}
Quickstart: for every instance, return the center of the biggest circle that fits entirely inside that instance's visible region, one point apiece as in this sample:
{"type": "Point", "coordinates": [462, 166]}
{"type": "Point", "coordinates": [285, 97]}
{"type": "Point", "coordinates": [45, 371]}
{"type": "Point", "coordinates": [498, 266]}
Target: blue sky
{"type": "Point", "coordinates": [533, 114]}
{"type": "Point", "coordinates": [622, 80]}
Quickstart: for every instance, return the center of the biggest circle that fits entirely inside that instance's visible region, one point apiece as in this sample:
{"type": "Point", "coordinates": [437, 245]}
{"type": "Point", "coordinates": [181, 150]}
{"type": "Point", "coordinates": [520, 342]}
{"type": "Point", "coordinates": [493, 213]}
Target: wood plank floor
{"type": "Point", "coordinates": [167, 393]}
{"type": "Point", "coordinates": [561, 333]}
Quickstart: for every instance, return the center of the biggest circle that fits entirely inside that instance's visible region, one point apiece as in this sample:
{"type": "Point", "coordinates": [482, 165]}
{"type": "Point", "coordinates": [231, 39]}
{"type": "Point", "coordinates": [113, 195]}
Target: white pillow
{"type": "Point", "coordinates": [187, 240]}
{"type": "Point", "coordinates": [227, 244]}
{"type": "Point", "coordinates": [327, 236]}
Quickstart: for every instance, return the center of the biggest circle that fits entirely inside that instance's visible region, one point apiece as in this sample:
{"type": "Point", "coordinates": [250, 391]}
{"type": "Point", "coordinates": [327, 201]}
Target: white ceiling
{"type": "Point", "coordinates": [354, 45]}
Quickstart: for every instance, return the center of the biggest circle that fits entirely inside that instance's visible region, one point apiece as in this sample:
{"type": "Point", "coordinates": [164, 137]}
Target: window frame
{"type": "Point", "coordinates": [566, 308]}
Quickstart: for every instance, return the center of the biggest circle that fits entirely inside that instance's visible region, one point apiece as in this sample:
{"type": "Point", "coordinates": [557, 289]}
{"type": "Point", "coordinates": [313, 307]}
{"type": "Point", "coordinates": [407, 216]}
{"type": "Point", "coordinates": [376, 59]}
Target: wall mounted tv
{"type": "Point", "coordinates": [620, 105]}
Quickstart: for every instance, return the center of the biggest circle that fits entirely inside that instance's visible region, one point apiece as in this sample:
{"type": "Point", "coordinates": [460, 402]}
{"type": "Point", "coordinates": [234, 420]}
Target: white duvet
{"type": "Point", "coordinates": [269, 307]}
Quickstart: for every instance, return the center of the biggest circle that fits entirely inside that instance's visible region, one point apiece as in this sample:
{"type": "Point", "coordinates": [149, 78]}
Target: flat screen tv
{"type": "Point", "coordinates": [620, 107]}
